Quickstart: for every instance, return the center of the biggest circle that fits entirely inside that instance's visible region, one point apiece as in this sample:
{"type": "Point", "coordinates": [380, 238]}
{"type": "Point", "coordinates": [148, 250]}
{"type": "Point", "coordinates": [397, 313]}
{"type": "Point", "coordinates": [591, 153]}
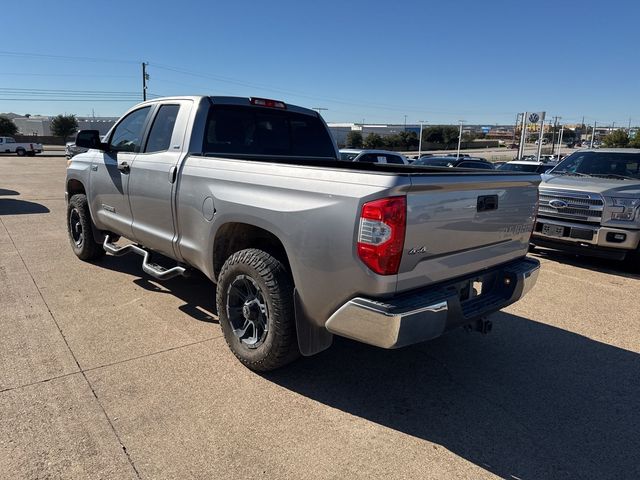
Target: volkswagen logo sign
{"type": "Point", "coordinates": [534, 117]}
{"type": "Point", "coordinates": [558, 204]}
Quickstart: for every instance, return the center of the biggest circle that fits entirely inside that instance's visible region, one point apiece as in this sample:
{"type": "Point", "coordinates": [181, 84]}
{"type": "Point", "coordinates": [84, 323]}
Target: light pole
{"type": "Point", "coordinates": [523, 136]}
{"type": "Point", "coordinates": [541, 135]}
{"type": "Point", "coordinates": [560, 140]}
{"type": "Point", "coordinates": [420, 141]}
{"type": "Point", "coordinates": [553, 133]}
{"type": "Point", "coordinates": [593, 133]}
{"type": "Point", "coordinates": [459, 140]}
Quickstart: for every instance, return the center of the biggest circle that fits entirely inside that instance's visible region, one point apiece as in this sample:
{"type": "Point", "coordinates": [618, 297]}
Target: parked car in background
{"type": "Point", "coordinates": [590, 205]}
{"type": "Point", "coordinates": [463, 162]}
{"type": "Point", "coordinates": [372, 156]}
{"type": "Point", "coordinates": [527, 166]}
{"type": "Point", "coordinates": [71, 149]}
{"type": "Point", "coordinates": [9, 145]}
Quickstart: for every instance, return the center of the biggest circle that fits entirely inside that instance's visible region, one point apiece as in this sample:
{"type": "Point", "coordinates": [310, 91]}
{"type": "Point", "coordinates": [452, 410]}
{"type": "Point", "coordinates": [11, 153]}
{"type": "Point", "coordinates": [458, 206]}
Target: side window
{"type": "Point", "coordinates": [127, 135]}
{"type": "Point", "coordinates": [481, 165]}
{"type": "Point", "coordinates": [162, 129]}
{"type": "Point", "coordinates": [368, 158]}
{"type": "Point", "coordinates": [394, 159]}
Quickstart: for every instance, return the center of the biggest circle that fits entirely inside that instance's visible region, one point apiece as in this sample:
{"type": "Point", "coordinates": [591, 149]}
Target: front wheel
{"type": "Point", "coordinates": [21, 152]}
{"type": "Point", "coordinates": [255, 307]}
{"type": "Point", "coordinates": [80, 229]}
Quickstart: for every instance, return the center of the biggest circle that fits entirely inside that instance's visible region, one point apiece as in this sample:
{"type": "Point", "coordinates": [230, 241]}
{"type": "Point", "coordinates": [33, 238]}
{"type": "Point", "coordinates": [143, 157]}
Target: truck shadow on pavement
{"type": "Point", "coordinates": [4, 192]}
{"type": "Point", "coordinates": [197, 291]}
{"type": "Point", "coordinates": [601, 265]}
{"type": "Point", "coordinates": [12, 206]}
{"type": "Point", "coordinates": [528, 401]}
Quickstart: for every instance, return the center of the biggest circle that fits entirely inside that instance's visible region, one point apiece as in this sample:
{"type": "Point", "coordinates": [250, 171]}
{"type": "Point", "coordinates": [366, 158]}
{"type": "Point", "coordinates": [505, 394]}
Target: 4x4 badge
{"type": "Point", "coordinates": [413, 251]}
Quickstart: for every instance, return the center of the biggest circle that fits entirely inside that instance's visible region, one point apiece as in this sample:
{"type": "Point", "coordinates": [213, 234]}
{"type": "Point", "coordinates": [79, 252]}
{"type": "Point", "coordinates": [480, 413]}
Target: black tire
{"type": "Point", "coordinates": [79, 228]}
{"type": "Point", "coordinates": [21, 152]}
{"type": "Point", "coordinates": [255, 270]}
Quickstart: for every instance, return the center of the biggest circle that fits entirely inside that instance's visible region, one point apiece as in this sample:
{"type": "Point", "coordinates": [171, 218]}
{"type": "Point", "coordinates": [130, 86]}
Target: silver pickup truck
{"type": "Point", "coordinates": [590, 205]}
{"type": "Point", "coordinates": [301, 245]}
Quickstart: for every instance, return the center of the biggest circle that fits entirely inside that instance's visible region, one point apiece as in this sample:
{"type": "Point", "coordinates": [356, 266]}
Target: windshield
{"type": "Point", "coordinates": [600, 164]}
{"type": "Point", "coordinates": [519, 167]}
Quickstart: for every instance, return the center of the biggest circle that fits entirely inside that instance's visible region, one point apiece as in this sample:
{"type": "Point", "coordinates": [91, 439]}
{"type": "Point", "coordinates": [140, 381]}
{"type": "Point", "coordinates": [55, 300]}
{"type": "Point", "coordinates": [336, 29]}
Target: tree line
{"type": "Point", "coordinates": [61, 126]}
{"type": "Point", "coordinates": [446, 136]}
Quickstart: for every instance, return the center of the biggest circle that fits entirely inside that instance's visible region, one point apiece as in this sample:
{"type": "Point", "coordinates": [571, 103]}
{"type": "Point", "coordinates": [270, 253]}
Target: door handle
{"type": "Point", "coordinates": [124, 167]}
{"type": "Point", "coordinates": [172, 174]}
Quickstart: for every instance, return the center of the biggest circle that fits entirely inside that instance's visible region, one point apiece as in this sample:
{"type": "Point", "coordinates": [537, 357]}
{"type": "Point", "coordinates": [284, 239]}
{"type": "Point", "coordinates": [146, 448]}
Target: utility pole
{"type": "Point", "coordinates": [593, 133]}
{"type": "Point", "coordinates": [629, 129]}
{"type": "Point", "coordinates": [459, 140]}
{"type": "Point", "coordinates": [145, 77]}
{"type": "Point", "coordinates": [405, 123]}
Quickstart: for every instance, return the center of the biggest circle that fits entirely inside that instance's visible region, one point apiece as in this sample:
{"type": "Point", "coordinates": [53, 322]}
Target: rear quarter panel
{"type": "Point", "coordinates": [313, 211]}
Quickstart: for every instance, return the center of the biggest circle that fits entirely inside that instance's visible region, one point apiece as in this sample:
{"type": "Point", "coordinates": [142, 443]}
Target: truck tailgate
{"type": "Point", "coordinates": [463, 223]}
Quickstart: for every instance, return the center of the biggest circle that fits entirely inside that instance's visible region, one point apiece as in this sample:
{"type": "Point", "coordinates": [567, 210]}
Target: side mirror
{"type": "Point", "coordinates": [90, 139]}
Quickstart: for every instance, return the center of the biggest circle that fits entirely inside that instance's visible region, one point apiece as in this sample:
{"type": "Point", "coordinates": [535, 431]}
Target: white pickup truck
{"type": "Point", "coordinates": [9, 145]}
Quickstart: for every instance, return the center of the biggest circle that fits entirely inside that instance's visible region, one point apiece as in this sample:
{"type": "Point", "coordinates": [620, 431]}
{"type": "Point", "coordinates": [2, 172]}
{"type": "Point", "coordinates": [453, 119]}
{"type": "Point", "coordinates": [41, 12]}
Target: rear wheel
{"type": "Point", "coordinates": [80, 229]}
{"type": "Point", "coordinates": [21, 152]}
{"type": "Point", "coordinates": [255, 307]}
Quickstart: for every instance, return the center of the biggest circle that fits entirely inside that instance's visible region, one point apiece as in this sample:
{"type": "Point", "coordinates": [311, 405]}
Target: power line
{"type": "Point", "coordinates": [127, 100]}
{"type": "Point", "coordinates": [397, 108]}
{"type": "Point", "coordinates": [95, 75]}
{"type": "Point", "coordinates": [6, 53]}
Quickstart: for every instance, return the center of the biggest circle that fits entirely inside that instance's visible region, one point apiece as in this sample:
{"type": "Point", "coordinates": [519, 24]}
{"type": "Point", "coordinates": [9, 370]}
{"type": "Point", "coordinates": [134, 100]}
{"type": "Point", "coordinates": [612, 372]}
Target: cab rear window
{"type": "Point", "coordinates": [264, 131]}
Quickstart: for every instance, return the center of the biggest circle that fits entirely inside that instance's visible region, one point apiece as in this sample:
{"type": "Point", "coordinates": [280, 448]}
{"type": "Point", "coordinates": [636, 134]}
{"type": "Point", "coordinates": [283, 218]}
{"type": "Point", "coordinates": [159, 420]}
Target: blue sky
{"type": "Point", "coordinates": [378, 61]}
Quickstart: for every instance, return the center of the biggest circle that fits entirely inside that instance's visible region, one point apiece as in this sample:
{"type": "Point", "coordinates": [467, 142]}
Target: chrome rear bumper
{"type": "Point", "coordinates": [424, 314]}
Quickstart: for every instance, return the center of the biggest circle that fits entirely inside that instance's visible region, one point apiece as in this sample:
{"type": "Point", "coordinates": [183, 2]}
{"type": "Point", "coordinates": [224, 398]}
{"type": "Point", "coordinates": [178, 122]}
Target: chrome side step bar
{"type": "Point", "coordinates": [153, 269]}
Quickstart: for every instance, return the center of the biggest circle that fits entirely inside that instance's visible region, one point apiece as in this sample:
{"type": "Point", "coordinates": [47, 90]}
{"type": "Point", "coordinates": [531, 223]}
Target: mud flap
{"type": "Point", "coordinates": [312, 339]}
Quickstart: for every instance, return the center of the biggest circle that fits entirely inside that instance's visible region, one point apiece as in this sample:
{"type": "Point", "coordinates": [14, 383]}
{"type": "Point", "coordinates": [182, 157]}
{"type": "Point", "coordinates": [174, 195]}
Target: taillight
{"type": "Point", "coordinates": [381, 234]}
{"type": "Point", "coordinates": [265, 102]}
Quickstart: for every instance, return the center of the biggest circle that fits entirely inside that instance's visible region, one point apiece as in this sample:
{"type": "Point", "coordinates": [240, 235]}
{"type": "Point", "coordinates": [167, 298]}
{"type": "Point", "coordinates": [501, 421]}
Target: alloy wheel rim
{"type": "Point", "coordinates": [75, 227]}
{"type": "Point", "coordinates": [247, 311]}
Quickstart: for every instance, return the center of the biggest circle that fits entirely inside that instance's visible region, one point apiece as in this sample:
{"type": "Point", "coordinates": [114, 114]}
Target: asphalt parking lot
{"type": "Point", "coordinates": [106, 373]}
